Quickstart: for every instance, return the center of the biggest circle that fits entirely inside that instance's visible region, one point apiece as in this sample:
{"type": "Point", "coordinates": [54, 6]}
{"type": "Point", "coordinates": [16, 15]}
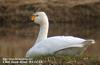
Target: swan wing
{"type": "Point", "coordinates": [75, 50]}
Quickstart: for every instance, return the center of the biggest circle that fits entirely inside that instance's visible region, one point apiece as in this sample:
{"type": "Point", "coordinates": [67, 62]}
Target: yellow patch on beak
{"type": "Point", "coordinates": [33, 18]}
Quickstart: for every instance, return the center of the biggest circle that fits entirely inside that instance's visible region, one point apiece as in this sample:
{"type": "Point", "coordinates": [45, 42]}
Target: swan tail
{"type": "Point", "coordinates": [88, 42]}
{"type": "Point", "coordinates": [91, 41]}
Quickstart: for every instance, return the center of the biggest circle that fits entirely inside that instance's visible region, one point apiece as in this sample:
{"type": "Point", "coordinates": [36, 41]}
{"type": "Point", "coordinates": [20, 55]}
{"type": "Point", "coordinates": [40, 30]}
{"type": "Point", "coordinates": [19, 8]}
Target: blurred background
{"type": "Point", "coordinates": [79, 18]}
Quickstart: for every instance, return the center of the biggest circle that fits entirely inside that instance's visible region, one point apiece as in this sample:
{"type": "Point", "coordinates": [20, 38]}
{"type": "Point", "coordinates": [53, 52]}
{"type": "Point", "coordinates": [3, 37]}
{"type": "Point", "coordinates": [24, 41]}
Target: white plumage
{"type": "Point", "coordinates": [55, 45]}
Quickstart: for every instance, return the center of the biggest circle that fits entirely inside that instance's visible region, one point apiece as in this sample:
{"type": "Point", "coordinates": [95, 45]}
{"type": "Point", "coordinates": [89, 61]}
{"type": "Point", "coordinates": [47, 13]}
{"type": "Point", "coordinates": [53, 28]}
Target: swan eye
{"type": "Point", "coordinates": [36, 15]}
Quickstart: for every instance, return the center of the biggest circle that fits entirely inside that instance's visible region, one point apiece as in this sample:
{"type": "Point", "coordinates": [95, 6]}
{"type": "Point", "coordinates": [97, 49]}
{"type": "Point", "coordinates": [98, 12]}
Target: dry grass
{"type": "Point", "coordinates": [14, 47]}
{"type": "Point", "coordinates": [60, 60]}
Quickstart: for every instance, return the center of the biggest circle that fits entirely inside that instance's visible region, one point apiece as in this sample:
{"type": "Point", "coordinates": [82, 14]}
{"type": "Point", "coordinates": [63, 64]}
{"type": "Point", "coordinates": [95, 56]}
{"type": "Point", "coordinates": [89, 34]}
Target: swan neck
{"type": "Point", "coordinates": [43, 32]}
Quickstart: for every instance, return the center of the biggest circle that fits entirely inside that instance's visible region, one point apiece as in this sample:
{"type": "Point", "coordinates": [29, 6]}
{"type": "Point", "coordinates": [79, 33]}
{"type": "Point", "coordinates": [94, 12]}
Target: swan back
{"type": "Point", "coordinates": [53, 44]}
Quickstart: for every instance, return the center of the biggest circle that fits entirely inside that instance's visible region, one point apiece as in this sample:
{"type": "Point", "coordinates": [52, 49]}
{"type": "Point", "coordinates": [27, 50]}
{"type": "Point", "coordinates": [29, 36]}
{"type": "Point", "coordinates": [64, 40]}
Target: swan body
{"type": "Point", "coordinates": [69, 45]}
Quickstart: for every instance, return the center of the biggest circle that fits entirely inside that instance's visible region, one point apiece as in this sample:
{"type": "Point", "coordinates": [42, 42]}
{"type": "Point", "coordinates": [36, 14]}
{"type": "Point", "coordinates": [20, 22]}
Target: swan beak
{"type": "Point", "coordinates": [33, 18]}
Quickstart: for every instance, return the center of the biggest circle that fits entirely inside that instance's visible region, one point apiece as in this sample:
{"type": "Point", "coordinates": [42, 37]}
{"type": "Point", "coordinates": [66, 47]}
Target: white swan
{"type": "Point", "coordinates": [55, 45]}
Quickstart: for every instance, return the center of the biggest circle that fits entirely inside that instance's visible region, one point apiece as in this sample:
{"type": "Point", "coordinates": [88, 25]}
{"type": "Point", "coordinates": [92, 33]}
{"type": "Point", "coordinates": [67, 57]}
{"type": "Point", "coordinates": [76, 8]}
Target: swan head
{"type": "Point", "coordinates": [39, 18]}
